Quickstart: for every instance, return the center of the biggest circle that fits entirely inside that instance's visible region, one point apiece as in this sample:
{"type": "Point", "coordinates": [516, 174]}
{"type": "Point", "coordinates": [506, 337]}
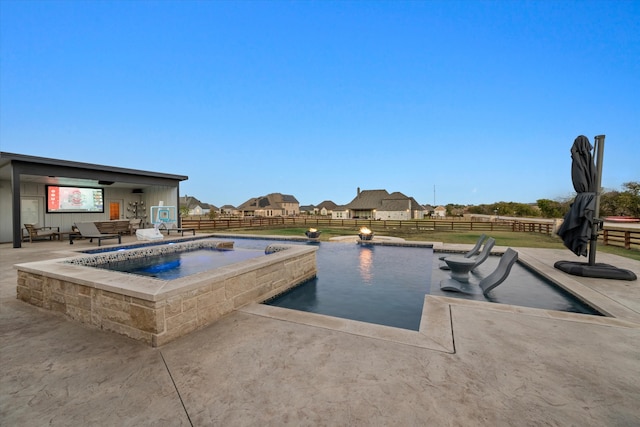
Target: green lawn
{"type": "Point", "coordinates": [503, 238]}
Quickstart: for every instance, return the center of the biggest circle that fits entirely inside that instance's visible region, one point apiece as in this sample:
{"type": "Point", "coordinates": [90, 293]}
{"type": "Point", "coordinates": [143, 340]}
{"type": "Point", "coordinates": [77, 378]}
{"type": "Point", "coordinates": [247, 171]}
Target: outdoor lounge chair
{"type": "Point", "coordinates": [488, 283]}
{"type": "Point", "coordinates": [172, 226]}
{"type": "Point", "coordinates": [88, 230]}
{"type": "Point", "coordinates": [473, 251]}
{"type": "Point", "coordinates": [34, 231]}
{"type": "Point", "coordinates": [479, 259]}
{"type": "Point", "coordinates": [501, 272]}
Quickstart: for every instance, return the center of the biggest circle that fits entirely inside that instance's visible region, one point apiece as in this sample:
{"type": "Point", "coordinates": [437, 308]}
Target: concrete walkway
{"type": "Point", "coordinates": [496, 365]}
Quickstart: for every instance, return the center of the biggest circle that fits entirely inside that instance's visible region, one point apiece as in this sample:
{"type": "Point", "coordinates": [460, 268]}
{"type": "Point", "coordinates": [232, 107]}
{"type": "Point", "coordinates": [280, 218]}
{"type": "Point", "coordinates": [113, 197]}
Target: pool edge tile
{"type": "Point", "coordinates": [540, 312]}
{"type": "Point", "coordinates": [438, 337]}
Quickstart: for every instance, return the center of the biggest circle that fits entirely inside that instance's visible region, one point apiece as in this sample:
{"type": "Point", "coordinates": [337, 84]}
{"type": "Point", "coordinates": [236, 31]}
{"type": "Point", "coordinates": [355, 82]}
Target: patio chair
{"type": "Point", "coordinates": [34, 231]}
{"type": "Point", "coordinates": [473, 251]}
{"type": "Point", "coordinates": [88, 230]}
{"type": "Point", "coordinates": [479, 259]}
{"type": "Point", "coordinates": [488, 283]}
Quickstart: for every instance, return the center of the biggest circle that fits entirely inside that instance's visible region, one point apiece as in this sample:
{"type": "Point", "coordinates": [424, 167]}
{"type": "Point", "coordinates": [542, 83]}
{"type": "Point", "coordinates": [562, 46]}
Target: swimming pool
{"type": "Point", "coordinates": [386, 284]}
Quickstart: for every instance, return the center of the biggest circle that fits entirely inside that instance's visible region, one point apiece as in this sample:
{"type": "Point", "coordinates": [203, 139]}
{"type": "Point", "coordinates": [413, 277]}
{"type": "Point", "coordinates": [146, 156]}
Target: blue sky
{"type": "Point", "coordinates": [479, 100]}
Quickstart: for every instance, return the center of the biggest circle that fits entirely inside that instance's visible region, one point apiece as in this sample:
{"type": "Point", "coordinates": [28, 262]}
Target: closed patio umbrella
{"type": "Point", "coordinates": [579, 230]}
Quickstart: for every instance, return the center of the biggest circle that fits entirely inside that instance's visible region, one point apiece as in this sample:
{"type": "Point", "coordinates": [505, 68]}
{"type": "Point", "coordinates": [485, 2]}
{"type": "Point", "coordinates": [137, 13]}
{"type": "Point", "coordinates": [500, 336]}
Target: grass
{"type": "Point", "coordinates": [503, 238]}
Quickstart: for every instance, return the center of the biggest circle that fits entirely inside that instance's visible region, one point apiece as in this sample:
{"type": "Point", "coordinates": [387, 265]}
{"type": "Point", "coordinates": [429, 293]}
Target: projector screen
{"type": "Point", "coordinates": [74, 199]}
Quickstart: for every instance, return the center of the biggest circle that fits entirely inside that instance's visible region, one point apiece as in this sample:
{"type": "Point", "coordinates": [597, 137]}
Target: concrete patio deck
{"type": "Point", "coordinates": [478, 363]}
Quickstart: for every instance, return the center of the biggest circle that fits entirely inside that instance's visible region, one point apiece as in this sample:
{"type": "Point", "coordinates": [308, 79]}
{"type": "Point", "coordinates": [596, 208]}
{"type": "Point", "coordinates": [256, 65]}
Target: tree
{"type": "Point", "coordinates": [480, 209]}
{"type": "Point", "coordinates": [514, 209]}
{"type": "Point", "coordinates": [632, 187]}
{"type": "Point", "coordinates": [612, 203]}
{"type": "Point", "coordinates": [609, 203]}
{"type": "Point", "coordinates": [629, 200]}
{"type": "Point", "coordinates": [454, 209]}
{"type": "Point", "coordinates": [551, 208]}
{"type": "Point", "coordinates": [626, 203]}
{"type": "Point", "coordinates": [526, 210]}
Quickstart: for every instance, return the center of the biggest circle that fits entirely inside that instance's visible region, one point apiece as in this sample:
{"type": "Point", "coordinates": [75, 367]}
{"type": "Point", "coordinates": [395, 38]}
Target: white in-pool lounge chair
{"type": "Point", "coordinates": [88, 230]}
{"type": "Point", "coordinates": [501, 272]}
{"type": "Point", "coordinates": [479, 259]}
{"type": "Point", "coordinates": [473, 251]}
{"type": "Point", "coordinates": [488, 283]}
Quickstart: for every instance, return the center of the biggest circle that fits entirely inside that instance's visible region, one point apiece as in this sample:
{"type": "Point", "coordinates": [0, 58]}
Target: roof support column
{"type": "Point", "coordinates": [15, 208]}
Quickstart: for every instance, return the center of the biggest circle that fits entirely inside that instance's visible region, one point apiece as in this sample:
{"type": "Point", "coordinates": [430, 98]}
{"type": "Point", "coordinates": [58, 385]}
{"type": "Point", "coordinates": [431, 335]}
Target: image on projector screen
{"type": "Point", "coordinates": [74, 199]}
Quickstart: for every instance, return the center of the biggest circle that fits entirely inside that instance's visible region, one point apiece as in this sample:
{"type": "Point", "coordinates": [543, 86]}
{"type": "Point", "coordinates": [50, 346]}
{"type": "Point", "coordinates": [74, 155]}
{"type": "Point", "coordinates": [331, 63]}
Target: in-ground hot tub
{"type": "Point", "coordinates": [158, 311]}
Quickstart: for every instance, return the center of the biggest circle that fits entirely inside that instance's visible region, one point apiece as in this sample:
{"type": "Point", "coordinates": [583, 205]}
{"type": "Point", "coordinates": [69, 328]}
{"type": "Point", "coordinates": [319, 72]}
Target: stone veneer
{"type": "Point", "coordinates": [158, 311]}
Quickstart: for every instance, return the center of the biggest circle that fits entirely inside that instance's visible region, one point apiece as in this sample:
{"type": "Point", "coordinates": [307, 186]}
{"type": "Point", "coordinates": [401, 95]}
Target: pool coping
{"type": "Point", "coordinates": [598, 300]}
{"type": "Point", "coordinates": [436, 326]}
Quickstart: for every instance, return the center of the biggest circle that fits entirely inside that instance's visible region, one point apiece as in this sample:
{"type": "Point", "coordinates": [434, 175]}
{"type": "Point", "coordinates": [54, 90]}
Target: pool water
{"type": "Point", "coordinates": [373, 284]}
{"type": "Point", "coordinates": [180, 264]}
{"type": "Point", "coordinates": [523, 287]}
{"type": "Point", "coordinates": [387, 285]}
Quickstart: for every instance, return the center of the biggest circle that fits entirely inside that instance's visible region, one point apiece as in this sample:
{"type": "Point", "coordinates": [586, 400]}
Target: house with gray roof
{"type": "Point", "coordinates": [308, 210]}
{"type": "Point", "coordinates": [326, 208]}
{"type": "Point", "coordinates": [379, 204]}
{"type": "Point", "coordinates": [428, 210]}
{"type": "Point", "coordinates": [196, 207]}
{"type": "Point", "coordinates": [229, 210]}
{"type": "Point", "coordinates": [274, 204]}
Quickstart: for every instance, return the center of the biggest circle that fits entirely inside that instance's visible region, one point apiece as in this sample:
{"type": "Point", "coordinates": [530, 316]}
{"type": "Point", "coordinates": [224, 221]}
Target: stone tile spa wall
{"type": "Point", "coordinates": [157, 311]}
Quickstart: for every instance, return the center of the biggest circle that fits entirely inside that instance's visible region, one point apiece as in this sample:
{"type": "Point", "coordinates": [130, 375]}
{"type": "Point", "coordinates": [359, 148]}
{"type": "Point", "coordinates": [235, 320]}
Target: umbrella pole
{"type": "Point", "coordinates": [599, 152]}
